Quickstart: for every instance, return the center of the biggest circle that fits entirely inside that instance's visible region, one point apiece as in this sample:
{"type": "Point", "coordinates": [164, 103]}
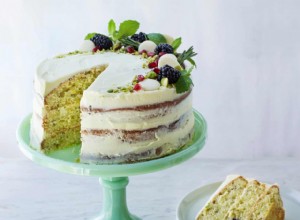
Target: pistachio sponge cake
{"type": "Point", "coordinates": [125, 97]}
{"type": "Point", "coordinates": [239, 198]}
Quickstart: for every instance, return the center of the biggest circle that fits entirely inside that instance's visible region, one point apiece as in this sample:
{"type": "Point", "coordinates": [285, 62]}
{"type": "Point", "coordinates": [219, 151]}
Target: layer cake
{"type": "Point", "coordinates": [121, 98]}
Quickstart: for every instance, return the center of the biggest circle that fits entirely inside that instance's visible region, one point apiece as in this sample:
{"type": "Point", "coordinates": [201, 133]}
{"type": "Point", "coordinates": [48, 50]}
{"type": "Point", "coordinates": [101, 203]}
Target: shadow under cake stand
{"type": "Point", "coordinates": [114, 178]}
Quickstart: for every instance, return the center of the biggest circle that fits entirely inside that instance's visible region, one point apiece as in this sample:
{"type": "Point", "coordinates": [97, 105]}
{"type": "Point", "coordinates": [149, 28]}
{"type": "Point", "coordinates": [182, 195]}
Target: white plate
{"type": "Point", "coordinates": [195, 200]}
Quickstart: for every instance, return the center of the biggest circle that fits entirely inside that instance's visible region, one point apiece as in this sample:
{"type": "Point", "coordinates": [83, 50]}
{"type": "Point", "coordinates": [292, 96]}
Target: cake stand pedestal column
{"type": "Point", "coordinates": [114, 199]}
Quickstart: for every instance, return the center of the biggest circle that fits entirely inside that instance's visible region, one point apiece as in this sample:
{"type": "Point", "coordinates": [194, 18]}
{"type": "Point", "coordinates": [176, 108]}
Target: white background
{"type": "Point", "coordinates": [247, 81]}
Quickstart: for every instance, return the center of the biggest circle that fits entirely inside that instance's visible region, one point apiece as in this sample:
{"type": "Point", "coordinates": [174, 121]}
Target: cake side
{"type": "Point", "coordinates": [138, 133]}
{"type": "Point", "coordinates": [269, 206]}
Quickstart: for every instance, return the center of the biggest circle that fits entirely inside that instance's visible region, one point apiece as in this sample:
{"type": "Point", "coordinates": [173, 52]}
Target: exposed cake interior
{"type": "Point", "coordinates": [242, 198]}
{"type": "Point", "coordinates": [61, 120]}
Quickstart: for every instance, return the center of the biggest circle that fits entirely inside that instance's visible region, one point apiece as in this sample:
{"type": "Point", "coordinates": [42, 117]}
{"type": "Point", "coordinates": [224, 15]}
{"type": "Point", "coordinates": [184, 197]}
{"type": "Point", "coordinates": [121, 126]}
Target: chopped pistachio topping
{"type": "Point", "coordinates": [70, 54]}
{"type": "Point", "coordinates": [151, 75]}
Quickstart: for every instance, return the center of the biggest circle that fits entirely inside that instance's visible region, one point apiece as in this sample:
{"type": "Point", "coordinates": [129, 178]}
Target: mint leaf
{"type": "Point", "coordinates": [111, 27]}
{"type": "Point", "coordinates": [184, 82]}
{"type": "Point", "coordinates": [127, 28]}
{"type": "Point", "coordinates": [89, 36]}
{"type": "Point", "coordinates": [176, 43]}
{"type": "Point", "coordinates": [157, 38]}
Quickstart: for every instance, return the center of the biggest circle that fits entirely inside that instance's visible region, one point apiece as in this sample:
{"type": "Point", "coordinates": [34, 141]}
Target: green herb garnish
{"type": "Point", "coordinates": [89, 36]}
{"type": "Point", "coordinates": [187, 55]}
{"type": "Point", "coordinates": [176, 43]}
{"type": "Point", "coordinates": [157, 38]}
{"type": "Point", "coordinates": [184, 82]}
{"type": "Point", "coordinates": [111, 27]}
{"type": "Point", "coordinates": [129, 42]}
{"type": "Point", "coordinates": [126, 29]}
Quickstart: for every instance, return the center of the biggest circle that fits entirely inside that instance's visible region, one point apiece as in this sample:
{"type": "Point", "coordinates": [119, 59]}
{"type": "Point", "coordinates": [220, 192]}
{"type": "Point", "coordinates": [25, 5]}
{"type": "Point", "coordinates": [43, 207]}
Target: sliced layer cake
{"type": "Point", "coordinates": [239, 198]}
{"type": "Point", "coordinates": [124, 98]}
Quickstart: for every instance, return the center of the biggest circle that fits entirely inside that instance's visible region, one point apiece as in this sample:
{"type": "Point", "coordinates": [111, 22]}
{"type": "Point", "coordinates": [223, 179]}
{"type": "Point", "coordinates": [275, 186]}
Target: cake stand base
{"type": "Point", "coordinates": [114, 199]}
{"type": "Point", "coordinates": [114, 177]}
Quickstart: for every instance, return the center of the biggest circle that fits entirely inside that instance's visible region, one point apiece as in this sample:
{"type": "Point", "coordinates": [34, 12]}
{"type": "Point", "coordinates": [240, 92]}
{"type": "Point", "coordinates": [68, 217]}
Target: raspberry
{"type": "Point", "coordinates": [166, 48]}
{"type": "Point", "coordinates": [170, 73]}
{"type": "Point", "coordinates": [102, 41]}
{"type": "Point", "coordinates": [140, 37]}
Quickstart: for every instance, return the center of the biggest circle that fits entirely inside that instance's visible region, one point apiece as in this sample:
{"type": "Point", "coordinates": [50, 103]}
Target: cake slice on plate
{"type": "Point", "coordinates": [239, 198]}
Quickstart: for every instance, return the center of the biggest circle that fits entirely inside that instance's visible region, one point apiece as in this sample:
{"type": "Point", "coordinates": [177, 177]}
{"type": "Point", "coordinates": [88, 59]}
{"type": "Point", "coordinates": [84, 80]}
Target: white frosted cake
{"type": "Point", "coordinates": [124, 98]}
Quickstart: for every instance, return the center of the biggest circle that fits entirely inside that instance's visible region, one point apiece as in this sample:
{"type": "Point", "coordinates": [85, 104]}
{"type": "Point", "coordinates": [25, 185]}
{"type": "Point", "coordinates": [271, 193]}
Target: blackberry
{"type": "Point", "coordinates": [170, 73]}
{"type": "Point", "coordinates": [166, 48]}
{"type": "Point", "coordinates": [140, 37]}
{"type": "Point", "coordinates": [102, 41]}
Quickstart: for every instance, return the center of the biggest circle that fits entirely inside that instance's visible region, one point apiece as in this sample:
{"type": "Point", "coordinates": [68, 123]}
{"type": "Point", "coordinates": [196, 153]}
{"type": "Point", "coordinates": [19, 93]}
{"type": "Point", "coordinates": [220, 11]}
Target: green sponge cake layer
{"type": "Point", "coordinates": [239, 198]}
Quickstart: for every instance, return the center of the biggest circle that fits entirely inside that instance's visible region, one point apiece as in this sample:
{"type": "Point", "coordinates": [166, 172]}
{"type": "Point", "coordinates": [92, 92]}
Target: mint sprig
{"type": "Point", "coordinates": [184, 82]}
{"type": "Point", "coordinates": [111, 27]}
{"type": "Point", "coordinates": [126, 29]}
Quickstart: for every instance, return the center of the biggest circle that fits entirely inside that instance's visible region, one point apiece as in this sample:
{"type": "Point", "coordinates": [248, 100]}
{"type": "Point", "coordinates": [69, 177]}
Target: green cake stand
{"type": "Point", "coordinates": [114, 178]}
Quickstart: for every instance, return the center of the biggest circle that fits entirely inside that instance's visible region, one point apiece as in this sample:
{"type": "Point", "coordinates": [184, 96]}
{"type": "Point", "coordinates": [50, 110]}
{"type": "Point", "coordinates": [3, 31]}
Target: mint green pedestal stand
{"type": "Point", "coordinates": [114, 178]}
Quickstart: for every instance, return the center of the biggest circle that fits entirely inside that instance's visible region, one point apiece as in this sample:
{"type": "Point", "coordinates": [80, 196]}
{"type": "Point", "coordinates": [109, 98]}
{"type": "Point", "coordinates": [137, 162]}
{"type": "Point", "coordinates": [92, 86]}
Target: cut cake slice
{"type": "Point", "coordinates": [239, 198]}
{"type": "Point", "coordinates": [220, 202]}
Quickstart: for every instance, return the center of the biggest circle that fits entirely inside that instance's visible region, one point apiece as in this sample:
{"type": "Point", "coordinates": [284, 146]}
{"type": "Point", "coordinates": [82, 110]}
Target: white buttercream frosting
{"type": "Point", "coordinates": [111, 145]}
{"type": "Point", "coordinates": [120, 70]}
{"type": "Point", "coordinates": [135, 120]}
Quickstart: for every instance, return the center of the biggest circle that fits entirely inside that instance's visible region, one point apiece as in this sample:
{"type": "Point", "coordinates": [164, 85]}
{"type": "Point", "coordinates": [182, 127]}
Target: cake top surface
{"type": "Point", "coordinates": [120, 68]}
{"type": "Point", "coordinates": [135, 62]}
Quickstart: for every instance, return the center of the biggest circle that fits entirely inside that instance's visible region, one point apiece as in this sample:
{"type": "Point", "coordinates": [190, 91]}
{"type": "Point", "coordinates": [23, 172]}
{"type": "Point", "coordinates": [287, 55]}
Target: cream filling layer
{"type": "Point", "coordinates": [125, 100]}
{"type": "Point", "coordinates": [135, 120]}
{"type": "Point", "coordinates": [111, 145]}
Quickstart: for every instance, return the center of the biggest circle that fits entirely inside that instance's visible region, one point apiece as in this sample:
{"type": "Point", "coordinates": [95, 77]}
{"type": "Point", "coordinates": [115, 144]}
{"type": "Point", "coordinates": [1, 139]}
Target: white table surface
{"type": "Point", "coordinates": [31, 192]}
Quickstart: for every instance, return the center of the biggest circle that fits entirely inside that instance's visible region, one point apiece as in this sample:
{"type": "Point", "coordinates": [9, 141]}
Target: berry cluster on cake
{"type": "Point", "coordinates": [240, 198]}
{"type": "Point", "coordinates": [125, 97]}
